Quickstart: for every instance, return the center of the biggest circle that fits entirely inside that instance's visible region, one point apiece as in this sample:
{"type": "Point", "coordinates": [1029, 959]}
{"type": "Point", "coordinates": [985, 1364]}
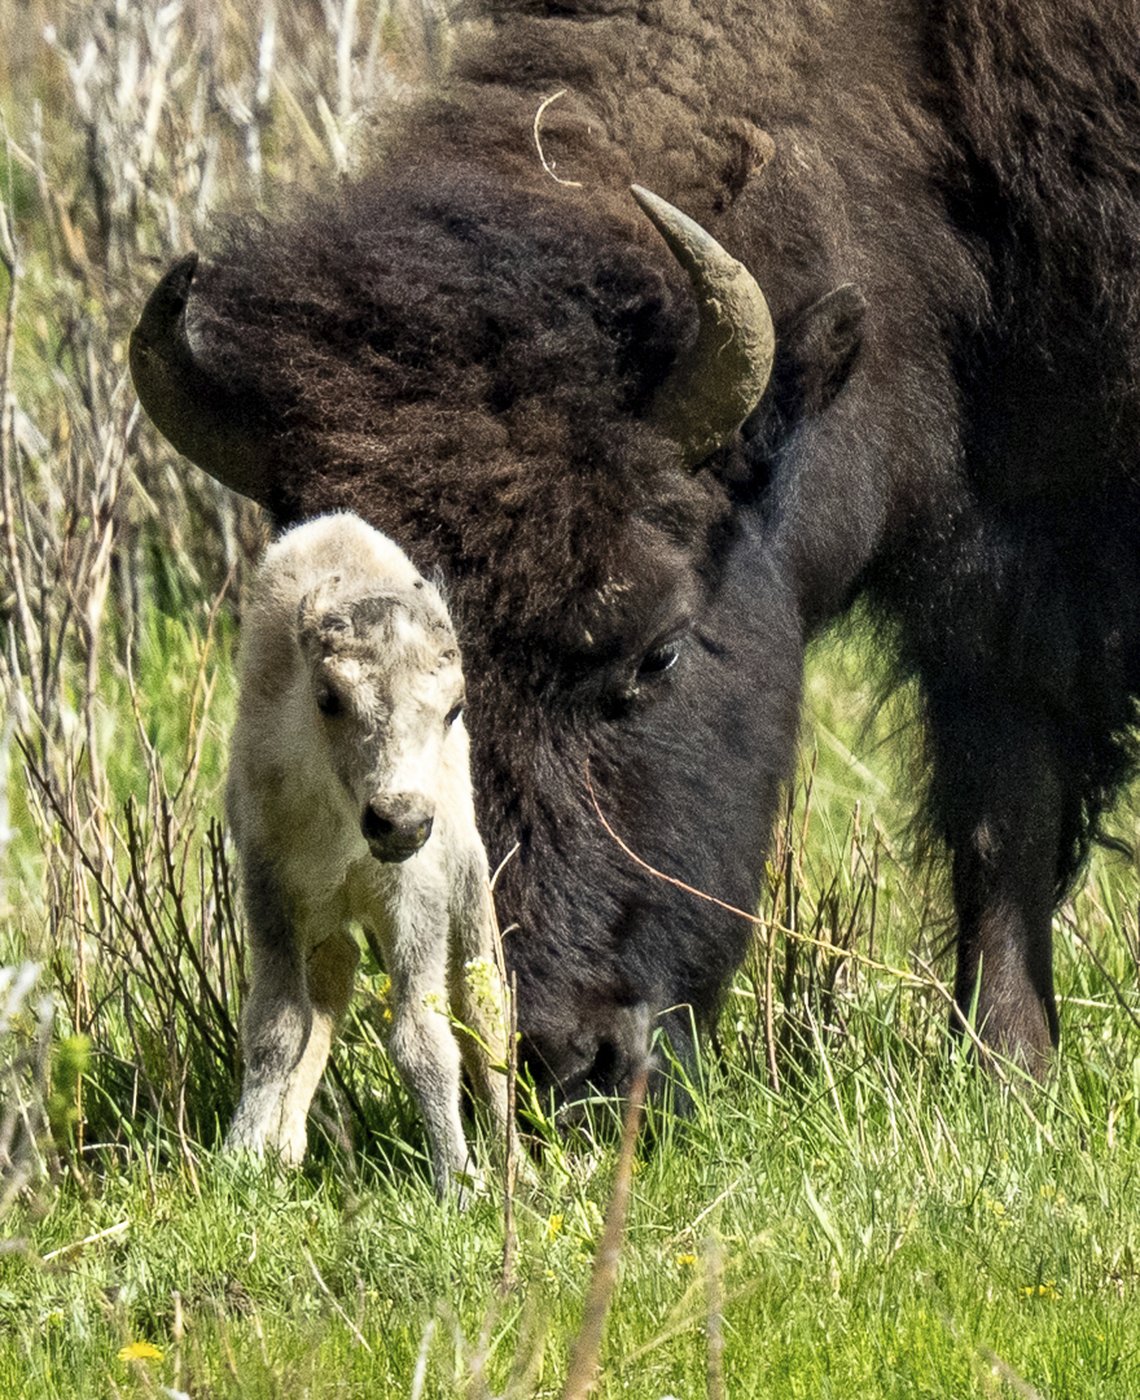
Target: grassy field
{"type": "Point", "coordinates": [849, 1211]}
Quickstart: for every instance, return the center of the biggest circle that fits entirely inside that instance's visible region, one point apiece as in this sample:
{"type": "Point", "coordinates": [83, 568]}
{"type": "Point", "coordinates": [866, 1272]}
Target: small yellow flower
{"type": "Point", "coordinates": [1048, 1289]}
{"type": "Point", "coordinates": [685, 1261]}
{"type": "Point", "coordinates": [140, 1351]}
{"type": "Point", "coordinates": [482, 978]}
{"type": "Point", "coordinates": [554, 1226]}
{"type": "Point", "coordinates": [383, 998]}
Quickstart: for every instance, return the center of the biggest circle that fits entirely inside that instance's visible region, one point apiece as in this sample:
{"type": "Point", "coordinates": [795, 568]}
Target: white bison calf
{"type": "Point", "coordinates": [350, 800]}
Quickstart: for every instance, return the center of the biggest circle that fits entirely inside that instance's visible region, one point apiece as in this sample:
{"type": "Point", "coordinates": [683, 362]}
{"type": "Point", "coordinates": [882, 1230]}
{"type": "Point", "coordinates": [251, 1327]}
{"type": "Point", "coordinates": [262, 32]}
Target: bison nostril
{"type": "Point", "coordinates": [375, 826]}
{"type": "Point", "coordinates": [393, 834]}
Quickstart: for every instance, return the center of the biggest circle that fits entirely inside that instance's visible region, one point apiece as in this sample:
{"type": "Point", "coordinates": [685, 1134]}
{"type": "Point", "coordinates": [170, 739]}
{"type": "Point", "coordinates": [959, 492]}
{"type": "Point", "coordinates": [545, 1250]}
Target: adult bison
{"type": "Point", "coordinates": [520, 380]}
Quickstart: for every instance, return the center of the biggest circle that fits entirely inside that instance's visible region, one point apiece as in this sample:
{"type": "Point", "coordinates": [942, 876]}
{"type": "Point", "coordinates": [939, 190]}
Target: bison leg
{"type": "Point", "coordinates": [424, 1051]}
{"type": "Point", "coordinates": [1001, 802]}
{"type": "Point", "coordinates": [275, 1021]}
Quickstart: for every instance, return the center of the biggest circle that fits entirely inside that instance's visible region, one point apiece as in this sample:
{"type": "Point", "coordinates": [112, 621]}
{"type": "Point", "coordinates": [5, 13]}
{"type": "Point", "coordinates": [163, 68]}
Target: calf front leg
{"type": "Point", "coordinates": [1002, 804]}
{"type": "Point", "coordinates": [479, 993]}
{"type": "Point", "coordinates": [424, 1052]}
{"type": "Point", "coordinates": [330, 971]}
{"type": "Point", "coordinates": [293, 1007]}
{"type": "Point", "coordinates": [412, 929]}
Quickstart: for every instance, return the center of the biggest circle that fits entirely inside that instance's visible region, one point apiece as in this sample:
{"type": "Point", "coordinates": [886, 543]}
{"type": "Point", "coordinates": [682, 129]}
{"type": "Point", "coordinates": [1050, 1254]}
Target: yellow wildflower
{"type": "Point", "coordinates": [482, 978]}
{"type": "Point", "coordinates": [554, 1226]}
{"type": "Point", "coordinates": [140, 1351]}
{"type": "Point", "coordinates": [686, 1261]}
{"type": "Point", "coordinates": [1048, 1289]}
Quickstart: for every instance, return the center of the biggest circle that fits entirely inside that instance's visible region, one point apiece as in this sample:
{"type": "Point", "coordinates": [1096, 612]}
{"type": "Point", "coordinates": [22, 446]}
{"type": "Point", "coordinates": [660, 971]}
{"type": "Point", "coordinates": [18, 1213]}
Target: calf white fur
{"type": "Point", "coordinates": [349, 797]}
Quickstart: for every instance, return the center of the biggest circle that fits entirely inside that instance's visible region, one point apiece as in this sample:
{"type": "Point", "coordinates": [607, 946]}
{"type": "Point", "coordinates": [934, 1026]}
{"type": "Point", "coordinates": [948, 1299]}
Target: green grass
{"type": "Point", "coordinates": [887, 1228]}
{"type": "Point", "coordinates": [889, 1223]}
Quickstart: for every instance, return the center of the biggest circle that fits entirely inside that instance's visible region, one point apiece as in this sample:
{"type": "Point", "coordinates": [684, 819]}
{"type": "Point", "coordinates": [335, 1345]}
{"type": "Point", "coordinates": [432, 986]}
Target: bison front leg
{"type": "Point", "coordinates": [1001, 802]}
{"type": "Point", "coordinates": [275, 1021]}
{"type": "Point", "coordinates": [275, 1031]}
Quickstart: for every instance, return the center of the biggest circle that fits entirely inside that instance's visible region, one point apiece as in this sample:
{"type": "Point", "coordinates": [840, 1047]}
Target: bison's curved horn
{"type": "Point", "coordinates": [718, 384]}
{"type": "Point", "coordinates": [203, 419]}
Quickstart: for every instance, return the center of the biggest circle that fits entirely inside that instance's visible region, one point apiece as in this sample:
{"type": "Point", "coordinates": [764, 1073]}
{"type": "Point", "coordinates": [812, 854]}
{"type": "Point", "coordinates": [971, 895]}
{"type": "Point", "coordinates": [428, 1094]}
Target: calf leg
{"type": "Point", "coordinates": [1001, 801]}
{"type": "Point", "coordinates": [424, 1051]}
{"type": "Point", "coordinates": [480, 1003]}
{"type": "Point", "coordinates": [290, 1013]}
{"type": "Point", "coordinates": [414, 938]}
{"type": "Point", "coordinates": [330, 972]}
{"type": "Point", "coordinates": [276, 1018]}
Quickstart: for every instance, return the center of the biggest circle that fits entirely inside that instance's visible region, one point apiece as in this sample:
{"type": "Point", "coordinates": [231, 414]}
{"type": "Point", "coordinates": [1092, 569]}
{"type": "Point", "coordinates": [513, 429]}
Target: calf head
{"type": "Point", "coordinates": [387, 689]}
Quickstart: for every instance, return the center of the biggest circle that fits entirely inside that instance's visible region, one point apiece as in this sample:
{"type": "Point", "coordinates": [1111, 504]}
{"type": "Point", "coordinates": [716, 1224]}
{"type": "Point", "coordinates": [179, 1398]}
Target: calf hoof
{"type": "Point", "coordinates": [284, 1147]}
{"type": "Point", "coordinates": [463, 1186]}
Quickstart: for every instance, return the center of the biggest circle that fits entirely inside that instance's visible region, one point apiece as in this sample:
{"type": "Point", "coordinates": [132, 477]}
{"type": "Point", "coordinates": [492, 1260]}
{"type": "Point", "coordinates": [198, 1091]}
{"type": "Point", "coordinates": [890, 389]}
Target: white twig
{"type": "Point", "coordinates": [547, 165]}
{"type": "Point", "coordinates": [419, 1375]}
{"type": "Point", "coordinates": [110, 1233]}
{"type": "Point", "coordinates": [323, 1286]}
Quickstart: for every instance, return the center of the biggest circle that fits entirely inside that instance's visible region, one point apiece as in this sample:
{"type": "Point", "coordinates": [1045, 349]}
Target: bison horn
{"type": "Point", "coordinates": [720, 381]}
{"type": "Point", "coordinates": [203, 419]}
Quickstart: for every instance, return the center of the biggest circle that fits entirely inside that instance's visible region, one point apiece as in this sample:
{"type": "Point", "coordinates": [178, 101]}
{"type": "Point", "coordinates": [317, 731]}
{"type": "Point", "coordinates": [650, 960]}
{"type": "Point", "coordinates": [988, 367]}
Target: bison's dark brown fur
{"type": "Point", "coordinates": [942, 204]}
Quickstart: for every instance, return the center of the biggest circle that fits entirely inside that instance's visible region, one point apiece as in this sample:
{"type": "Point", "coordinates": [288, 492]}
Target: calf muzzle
{"type": "Point", "coordinates": [395, 829]}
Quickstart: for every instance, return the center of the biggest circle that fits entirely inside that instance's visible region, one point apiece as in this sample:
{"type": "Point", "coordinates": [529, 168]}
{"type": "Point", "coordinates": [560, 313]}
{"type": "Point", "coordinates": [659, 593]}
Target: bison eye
{"type": "Point", "coordinates": [659, 660]}
{"type": "Point", "coordinates": [453, 714]}
{"type": "Point", "coordinates": [328, 702]}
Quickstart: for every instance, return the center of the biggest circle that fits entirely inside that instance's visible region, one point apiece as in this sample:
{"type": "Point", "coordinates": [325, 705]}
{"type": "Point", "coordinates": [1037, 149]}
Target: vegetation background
{"type": "Point", "coordinates": [848, 1211]}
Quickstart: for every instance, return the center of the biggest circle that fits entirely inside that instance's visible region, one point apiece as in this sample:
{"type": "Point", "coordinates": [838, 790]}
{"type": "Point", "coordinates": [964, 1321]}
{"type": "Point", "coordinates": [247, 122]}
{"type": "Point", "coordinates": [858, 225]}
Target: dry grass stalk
{"type": "Point", "coordinates": [586, 1349]}
{"type": "Point", "coordinates": [511, 1145]}
{"type": "Point", "coordinates": [714, 1326]}
{"type": "Point", "coordinates": [25, 1138]}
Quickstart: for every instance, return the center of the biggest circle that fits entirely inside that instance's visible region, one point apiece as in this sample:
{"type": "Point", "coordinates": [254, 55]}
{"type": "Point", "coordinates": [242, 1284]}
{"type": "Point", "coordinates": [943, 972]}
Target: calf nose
{"type": "Point", "coordinates": [395, 827]}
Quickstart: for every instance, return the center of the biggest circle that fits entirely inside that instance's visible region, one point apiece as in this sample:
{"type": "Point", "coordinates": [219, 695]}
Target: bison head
{"type": "Point", "coordinates": [541, 398]}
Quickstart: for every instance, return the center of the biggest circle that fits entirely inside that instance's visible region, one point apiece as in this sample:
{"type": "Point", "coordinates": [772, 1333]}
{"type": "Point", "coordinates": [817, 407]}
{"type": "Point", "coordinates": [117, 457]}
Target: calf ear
{"type": "Point", "coordinates": [817, 352]}
{"type": "Point", "coordinates": [321, 626]}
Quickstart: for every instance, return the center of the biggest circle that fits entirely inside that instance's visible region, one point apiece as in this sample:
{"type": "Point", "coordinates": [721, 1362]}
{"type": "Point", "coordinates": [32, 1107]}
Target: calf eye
{"type": "Point", "coordinates": [328, 702]}
{"type": "Point", "coordinates": [661, 659]}
{"type": "Point", "coordinates": [452, 715]}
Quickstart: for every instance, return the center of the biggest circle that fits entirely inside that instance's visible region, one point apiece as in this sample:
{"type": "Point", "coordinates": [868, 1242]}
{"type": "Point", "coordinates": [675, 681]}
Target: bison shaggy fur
{"type": "Point", "coordinates": [942, 204]}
